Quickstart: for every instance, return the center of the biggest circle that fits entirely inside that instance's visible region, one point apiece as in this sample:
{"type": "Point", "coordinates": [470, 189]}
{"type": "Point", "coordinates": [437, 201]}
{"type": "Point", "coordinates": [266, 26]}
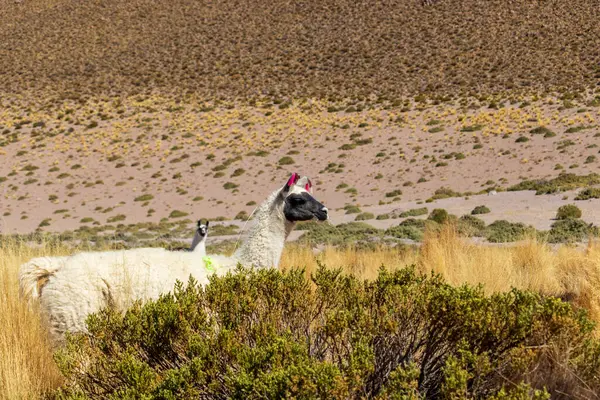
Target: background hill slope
{"type": "Point", "coordinates": [324, 49]}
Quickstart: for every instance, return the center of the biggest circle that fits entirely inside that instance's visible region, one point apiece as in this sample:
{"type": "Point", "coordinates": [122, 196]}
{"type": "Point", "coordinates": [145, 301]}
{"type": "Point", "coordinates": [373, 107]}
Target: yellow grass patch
{"type": "Point", "coordinates": [26, 366]}
{"type": "Point", "coordinates": [568, 272]}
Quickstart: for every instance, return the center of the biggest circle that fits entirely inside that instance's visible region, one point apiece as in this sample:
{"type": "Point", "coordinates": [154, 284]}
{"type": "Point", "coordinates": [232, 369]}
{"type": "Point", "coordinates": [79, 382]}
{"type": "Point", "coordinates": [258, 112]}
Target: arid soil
{"type": "Point", "coordinates": [143, 159]}
{"type": "Point", "coordinates": [121, 112]}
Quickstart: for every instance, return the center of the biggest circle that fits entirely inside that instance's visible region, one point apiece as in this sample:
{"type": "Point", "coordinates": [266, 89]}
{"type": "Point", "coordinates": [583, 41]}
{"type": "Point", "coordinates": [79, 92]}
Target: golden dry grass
{"type": "Point", "coordinates": [27, 369]}
{"type": "Point", "coordinates": [533, 265]}
{"type": "Point", "coordinates": [26, 366]}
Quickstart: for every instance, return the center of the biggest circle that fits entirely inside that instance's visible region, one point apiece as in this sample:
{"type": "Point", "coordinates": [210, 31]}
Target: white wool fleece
{"type": "Point", "coordinates": [84, 283]}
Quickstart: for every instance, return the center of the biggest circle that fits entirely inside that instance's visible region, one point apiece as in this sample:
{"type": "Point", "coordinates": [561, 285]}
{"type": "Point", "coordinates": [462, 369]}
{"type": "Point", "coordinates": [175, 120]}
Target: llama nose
{"type": "Point", "coordinates": [324, 209]}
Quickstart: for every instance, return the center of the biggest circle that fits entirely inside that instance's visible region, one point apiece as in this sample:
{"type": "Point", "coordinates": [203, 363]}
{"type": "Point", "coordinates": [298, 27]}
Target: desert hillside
{"type": "Point", "coordinates": [118, 113]}
{"type": "Point", "coordinates": [332, 49]}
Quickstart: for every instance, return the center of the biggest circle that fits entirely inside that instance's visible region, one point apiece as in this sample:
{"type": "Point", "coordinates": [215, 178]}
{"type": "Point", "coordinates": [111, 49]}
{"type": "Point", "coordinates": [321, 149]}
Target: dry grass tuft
{"type": "Point", "coordinates": [363, 263]}
{"type": "Point", "coordinates": [566, 272]}
{"type": "Point", "coordinates": [27, 369]}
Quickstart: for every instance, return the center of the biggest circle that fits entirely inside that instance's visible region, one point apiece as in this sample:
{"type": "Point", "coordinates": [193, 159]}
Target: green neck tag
{"type": "Point", "coordinates": [208, 264]}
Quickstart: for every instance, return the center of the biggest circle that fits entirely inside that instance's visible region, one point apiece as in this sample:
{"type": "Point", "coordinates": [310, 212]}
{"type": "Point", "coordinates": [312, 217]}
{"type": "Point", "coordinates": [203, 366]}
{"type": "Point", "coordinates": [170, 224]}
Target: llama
{"type": "Point", "coordinates": [199, 241]}
{"type": "Point", "coordinates": [86, 282]}
{"type": "Point", "coordinates": [35, 272]}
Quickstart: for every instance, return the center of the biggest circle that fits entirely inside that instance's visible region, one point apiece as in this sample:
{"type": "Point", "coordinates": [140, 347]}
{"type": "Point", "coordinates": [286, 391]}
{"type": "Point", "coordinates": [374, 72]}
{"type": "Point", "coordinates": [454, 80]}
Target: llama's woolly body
{"type": "Point", "coordinates": [35, 271]}
{"type": "Point", "coordinates": [90, 281]}
{"type": "Point", "coordinates": [86, 282]}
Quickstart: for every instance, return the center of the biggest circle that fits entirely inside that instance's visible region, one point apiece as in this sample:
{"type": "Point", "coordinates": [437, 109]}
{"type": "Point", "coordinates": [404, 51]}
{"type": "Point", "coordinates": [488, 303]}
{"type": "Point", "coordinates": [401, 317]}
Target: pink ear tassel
{"type": "Point", "coordinates": [293, 179]}
{"type": "Point", "coordinates": [308, 186]}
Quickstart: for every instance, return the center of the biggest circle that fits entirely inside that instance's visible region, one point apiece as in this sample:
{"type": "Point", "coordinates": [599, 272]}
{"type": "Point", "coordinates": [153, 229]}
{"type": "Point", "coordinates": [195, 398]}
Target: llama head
{"type": "Point", "coordinates": [298, 202]}
{"type": "Point", "coordinates": [202, 228]}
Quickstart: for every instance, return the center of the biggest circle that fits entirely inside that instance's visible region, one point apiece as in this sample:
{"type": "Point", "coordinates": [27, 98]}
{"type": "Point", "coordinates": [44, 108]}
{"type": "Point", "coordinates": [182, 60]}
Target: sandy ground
{"type": "Point", "coordinates": [353, 158]}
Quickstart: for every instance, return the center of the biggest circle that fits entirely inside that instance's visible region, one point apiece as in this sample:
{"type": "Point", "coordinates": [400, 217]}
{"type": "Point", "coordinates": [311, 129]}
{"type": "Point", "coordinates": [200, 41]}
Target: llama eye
{"type": "Point", "coordinates": [297, 200]}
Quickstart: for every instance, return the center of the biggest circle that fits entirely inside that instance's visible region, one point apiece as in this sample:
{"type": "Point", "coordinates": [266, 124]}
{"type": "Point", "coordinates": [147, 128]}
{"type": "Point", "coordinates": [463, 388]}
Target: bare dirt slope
{"type": "Point", "coordinates": [145, 159]}
{"type": "Point", "coordinates": [117, 112]}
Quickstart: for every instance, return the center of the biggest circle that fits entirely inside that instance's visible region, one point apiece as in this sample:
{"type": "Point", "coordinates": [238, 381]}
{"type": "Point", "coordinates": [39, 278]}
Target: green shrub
{"type": "Point", "coordinates": [45, 222]}
{"type": "Point", "coordinates": [417, 223]}
{"type": "Point", "coordinates": [238, 172]}
{"type": "Point", "coordinates": [223, 230]}
{"type": "Point", "coordinates": [177, 214]}
{"type": "Point", "coordinates": [405, 232]}
{"type": "Point", "coordinates": [287, 160]}
{"type": "Point", "coordinates": [259, 153]}
{"type": "Point", "coordinates": [563, 144]}
{"type": "Point", "coordinates": [242, 216]}
{"type": "Point", "coordinates": [469, 225]}
{"type": "Point", "coordinates": [394, 193]}
{"type": "Point", "coordinates": [471, 128]}
{"type": "Point", "coordinates": [352, 209]}
{"type": "Point", "coordinates": [116, 218]}
{"type": "Point", "coordinates": [267, 334]}
{"type": "Point", "coordinates": [414, 212]}
{"type": "Point", "coordinates": [30, 167]}
{"type": "Point", "coordinates": [502, 231]}
{"type": "Point", "coordinates": [568, 211]}
{"type": "Point", "coordinates": [542, 130]}
{"type": "Point", "coordinates": [439, 215]}
{"type": "Point", "coordinates": [364, 216]}
{"type": "Point", "coordinates": [570, 230]}
{"type": "Point", "coordinates": [443, 193]}
{"type": "Point", "coordinates": [589, 193]}
{"type": "Point", "coordinates": [342, 234]}
{"type": "Point", "coordinates": [480, 210]}
{"type": "Point", "coordinates": [561, 183]}
{"type": "Point", "coordinates": [578, 128]}
{"type": "Point", "coordinates": [144, 197]}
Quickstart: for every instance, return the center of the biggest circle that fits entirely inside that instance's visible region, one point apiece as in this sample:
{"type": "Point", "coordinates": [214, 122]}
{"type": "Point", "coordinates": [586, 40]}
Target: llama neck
{"type": "Point", "coordinates": [266, 239]}
{"type": "Point", "coordinates": [198, 244]}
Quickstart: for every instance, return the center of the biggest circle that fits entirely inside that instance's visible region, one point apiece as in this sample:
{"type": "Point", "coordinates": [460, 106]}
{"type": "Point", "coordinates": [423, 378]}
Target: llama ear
{"type": "Point", "coordinates": [305, 183]}
{"type": "Point", "coordinates": [308, 186]}
{"type": "Point", "coordinates": [292, 181]}
{"type": "Point", "coordinates": [199, 223]}
{"type": "Point", "coordinates": [207, 221]}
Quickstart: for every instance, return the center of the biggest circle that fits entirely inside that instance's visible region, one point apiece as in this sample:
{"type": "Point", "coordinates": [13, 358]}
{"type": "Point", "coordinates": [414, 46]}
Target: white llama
{"type": "Point", "coordinates": [199, 241]}
{"type": "Point", "coordinates": [86, 282]}
{"type": "Point", "coordinates": [35, 272]}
